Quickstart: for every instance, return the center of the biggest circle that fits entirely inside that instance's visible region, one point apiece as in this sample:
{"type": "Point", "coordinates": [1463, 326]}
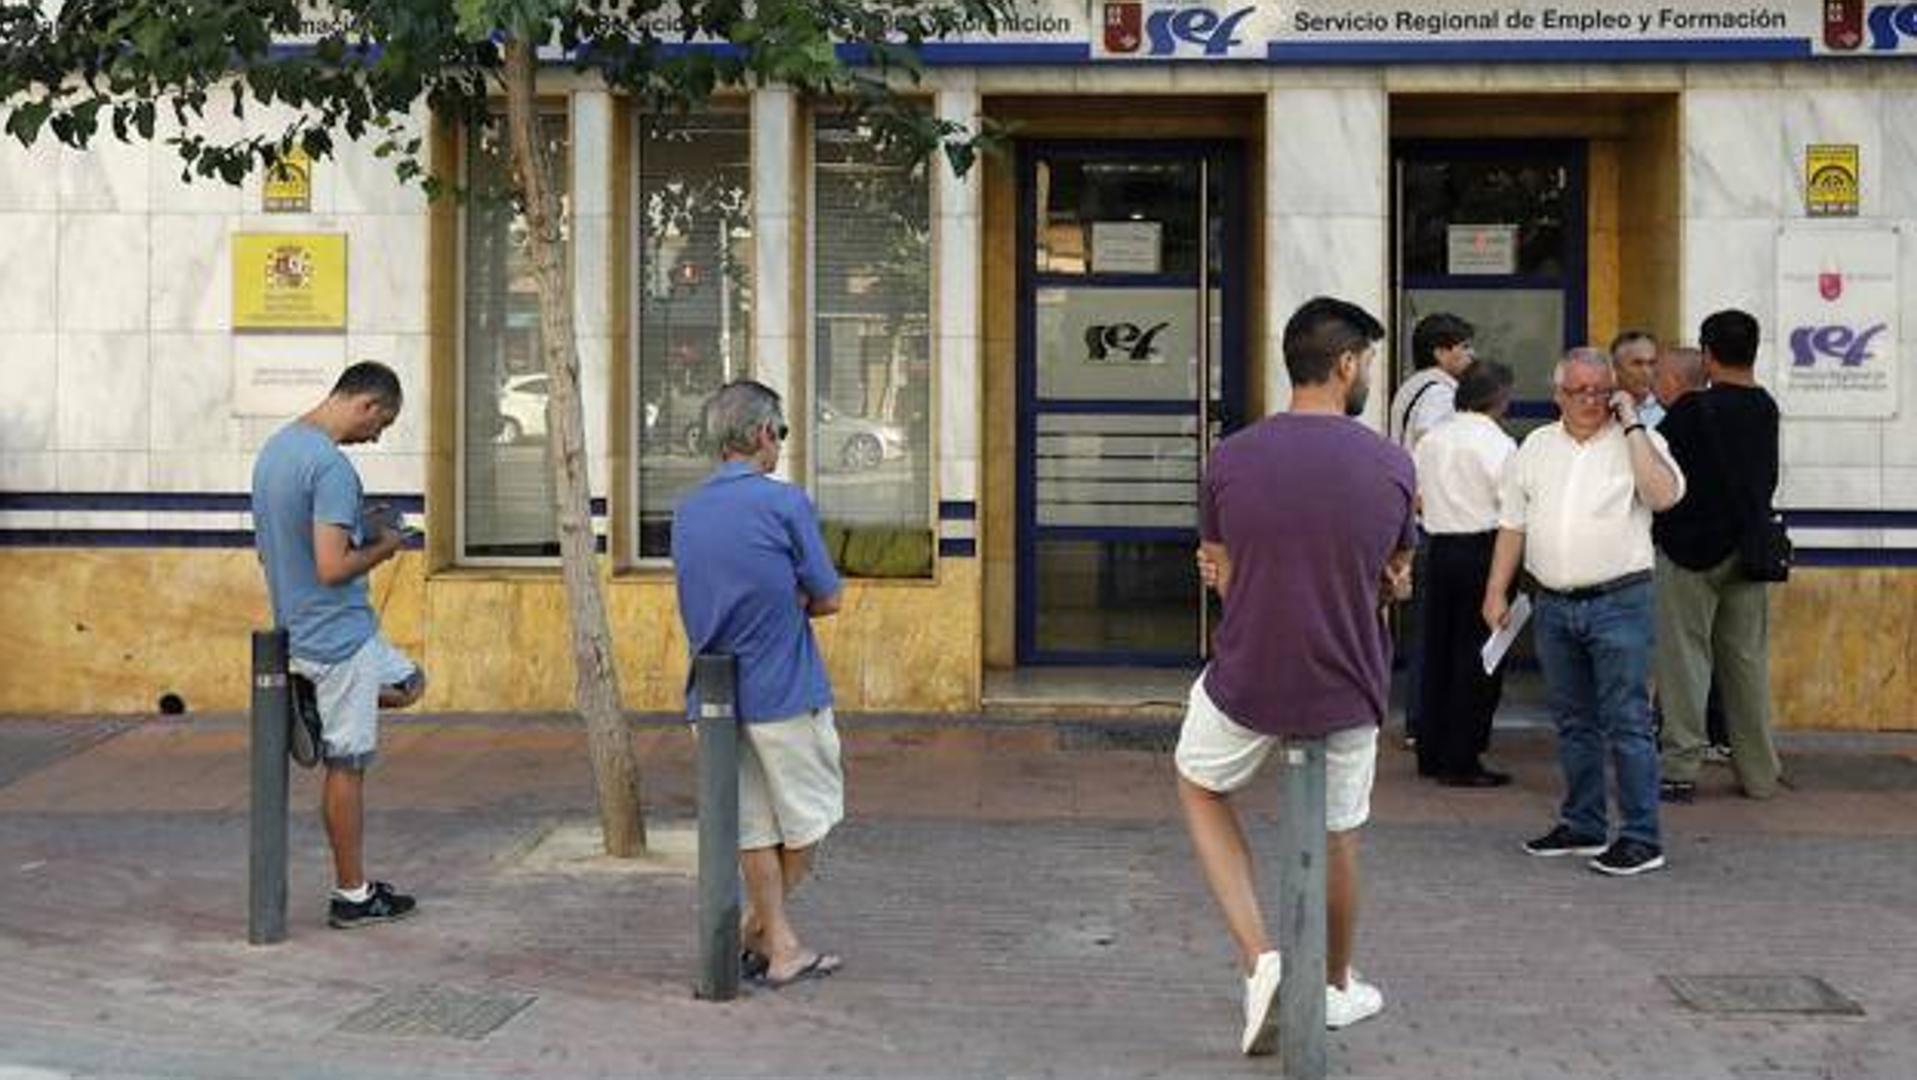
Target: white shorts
{"type": "Point", "coordinates": [348, 697]}
{"type": "Point", "coordinates": [1221, 756]}
{"type": "Point", "coordinates": [791, 784]}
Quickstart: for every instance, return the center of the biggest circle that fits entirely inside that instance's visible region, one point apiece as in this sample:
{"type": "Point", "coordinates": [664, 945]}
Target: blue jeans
{"type": "Point", "coordinates": [1596, 655]}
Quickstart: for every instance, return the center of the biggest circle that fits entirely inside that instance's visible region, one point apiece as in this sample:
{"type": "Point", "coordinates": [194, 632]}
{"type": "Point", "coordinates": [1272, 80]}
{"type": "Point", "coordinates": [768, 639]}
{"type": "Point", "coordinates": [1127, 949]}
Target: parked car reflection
{"type": "Point", "coordinates": [855, 443]}
{"type": "Point", "coordinates": [522, 408]}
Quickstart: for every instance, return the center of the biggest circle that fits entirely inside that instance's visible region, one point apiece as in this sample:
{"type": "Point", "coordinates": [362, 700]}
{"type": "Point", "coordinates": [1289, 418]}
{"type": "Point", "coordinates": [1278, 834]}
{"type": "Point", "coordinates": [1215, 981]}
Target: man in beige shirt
{"type": "Point", "coordinates": [1576, 508]}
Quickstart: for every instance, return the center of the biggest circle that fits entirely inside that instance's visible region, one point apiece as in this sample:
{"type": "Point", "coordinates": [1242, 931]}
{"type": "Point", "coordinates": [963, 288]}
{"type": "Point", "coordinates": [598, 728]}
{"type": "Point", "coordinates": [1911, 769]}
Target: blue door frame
{"type": "Point", "coordinates": [1226, 163]}
{"type": "Point", "coordinates": [1574, 281]}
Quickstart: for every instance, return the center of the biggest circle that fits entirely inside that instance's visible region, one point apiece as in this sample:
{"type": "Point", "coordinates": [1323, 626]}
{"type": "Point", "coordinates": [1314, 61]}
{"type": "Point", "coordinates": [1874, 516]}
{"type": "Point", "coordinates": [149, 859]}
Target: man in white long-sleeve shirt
{"type": "Point", "coordinates": [1440, 351]}
{"type": "Point", "coordinates": [1460, 465]}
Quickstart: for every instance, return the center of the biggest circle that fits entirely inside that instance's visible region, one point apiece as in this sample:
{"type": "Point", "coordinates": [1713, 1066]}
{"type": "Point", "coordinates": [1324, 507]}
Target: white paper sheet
{"type": "Point", "coordinates": [1500, 643]}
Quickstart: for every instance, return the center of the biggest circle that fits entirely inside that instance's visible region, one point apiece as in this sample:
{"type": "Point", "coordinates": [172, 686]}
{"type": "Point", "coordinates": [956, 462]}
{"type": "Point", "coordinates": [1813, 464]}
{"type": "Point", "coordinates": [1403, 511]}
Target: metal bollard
{"type": "Point", "coordinates": [1301, 907]}
{"type": "Point", "coordinates": [715, 677]}
{"type": "Point", "coordinates": [266, 861]}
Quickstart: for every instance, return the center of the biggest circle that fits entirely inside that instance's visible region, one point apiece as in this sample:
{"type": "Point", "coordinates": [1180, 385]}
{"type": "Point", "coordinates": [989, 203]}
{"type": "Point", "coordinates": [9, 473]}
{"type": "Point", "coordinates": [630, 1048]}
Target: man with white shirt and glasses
{"type": "Point", "coordinates": [1460, 465]}
{"type": "Point", "coordinates": [1576, 509]}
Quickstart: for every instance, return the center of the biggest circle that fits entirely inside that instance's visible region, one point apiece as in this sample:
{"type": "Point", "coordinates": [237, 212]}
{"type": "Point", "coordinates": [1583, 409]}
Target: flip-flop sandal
{"type": "Point", "coordinates": [753, 964]}
{"type": "Point", "coordinates": [820, 966]}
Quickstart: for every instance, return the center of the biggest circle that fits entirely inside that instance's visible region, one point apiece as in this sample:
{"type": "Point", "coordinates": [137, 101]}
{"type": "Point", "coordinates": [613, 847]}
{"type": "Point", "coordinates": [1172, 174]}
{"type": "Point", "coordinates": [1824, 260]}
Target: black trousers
{"type": "Point", "coordinates": [1458, 698]}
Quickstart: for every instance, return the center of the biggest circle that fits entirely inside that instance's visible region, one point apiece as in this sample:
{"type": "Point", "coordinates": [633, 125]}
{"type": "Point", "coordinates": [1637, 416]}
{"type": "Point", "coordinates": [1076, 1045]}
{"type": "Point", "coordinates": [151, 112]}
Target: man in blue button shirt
{"type": "Point", "coordinates": [753, 572]}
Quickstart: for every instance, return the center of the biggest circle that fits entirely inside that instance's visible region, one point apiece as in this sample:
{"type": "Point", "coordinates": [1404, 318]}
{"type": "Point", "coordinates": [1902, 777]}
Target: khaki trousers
{"type": "Point", "coordinates": [1714, 622]}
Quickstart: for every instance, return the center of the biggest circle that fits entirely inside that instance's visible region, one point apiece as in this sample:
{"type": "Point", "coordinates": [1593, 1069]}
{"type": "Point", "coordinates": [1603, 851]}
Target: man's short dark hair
{"type": "Point", "coordinates": [1730, 337]}
{"type": "Point", "coordinates": [370, 379]}
{"type": "Point", "coordinates": [1625, 337]}
{"type": "Point", "coordinates": [1321, 331]}
{"type": "Point", "coordinates": [1483, 385]}
{"type": "Point", "coordinates": [1441, 330]}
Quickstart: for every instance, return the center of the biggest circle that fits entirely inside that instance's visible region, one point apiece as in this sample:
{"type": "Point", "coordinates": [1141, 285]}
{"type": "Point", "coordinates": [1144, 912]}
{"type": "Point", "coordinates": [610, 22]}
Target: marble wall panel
{"type": "Point", "coordinates": [29, 366]}
{"type": "Point", "coordinates": [1898, 178]}
{"type": "Point", "coordinates": [201, 471]}
{"type": "Point", "coordinates": [29, 250]}
{"type": "Point", "coordinates": [103, 392]}
{"type": "Point", "coordinates": [1829, 487]}
{"type": "Point", "coordinates": [1853, 443]}
{"type": "Point", "coordinates": [1729, 263]}
{"type": "Point", "coordinates": [103, 272]}
{"type": "Point", "coordinates": [1734, 155]}
{"type": "Point", "coordinates": [191, 273]}
{"type": "Point", "coordinates": [29, 176]}
{"type": "Point", "coordinates": [191, 407]}
{"type": "Point", "coordinates": [1330, 256]}
{"type": "Point", "coordinates": [112, 177]}
{"type": "Point", "coordinates": [1327, 151]}
{"type": "Point", "coordinates": [28, 470]}
{"type": "Point", "coordinates": [386, 279]}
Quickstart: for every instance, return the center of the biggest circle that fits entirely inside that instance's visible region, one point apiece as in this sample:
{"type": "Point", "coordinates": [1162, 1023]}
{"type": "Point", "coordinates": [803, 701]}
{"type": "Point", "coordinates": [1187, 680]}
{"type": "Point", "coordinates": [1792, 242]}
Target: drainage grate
{"type": "Point", "coordinates": [1117, 735]}
{"type": "Point", "coordinates": [437, 1011]}
{"type": "Point", "coordinates": [1731, 995]}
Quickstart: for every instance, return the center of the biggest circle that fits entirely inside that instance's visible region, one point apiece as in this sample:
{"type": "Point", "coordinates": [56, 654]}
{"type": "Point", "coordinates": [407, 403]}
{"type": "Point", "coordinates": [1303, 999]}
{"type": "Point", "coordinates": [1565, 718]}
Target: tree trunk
{"type": "Point", "coordinates": [596, 680]}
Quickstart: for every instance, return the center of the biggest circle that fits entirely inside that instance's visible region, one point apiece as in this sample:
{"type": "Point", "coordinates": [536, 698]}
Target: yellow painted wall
{"type": "Point", "coordinates": [112, 630]}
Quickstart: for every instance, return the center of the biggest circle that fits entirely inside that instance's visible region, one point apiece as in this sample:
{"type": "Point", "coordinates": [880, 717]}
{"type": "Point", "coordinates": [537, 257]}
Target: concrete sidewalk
{"type": "Point", "coordinates": [1012, 899]}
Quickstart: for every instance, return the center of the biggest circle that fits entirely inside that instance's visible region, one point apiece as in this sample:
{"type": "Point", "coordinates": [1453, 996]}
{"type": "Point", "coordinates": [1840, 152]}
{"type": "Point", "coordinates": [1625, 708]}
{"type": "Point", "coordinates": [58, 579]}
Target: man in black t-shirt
{"type": "Point", "coordinates": [1711, 620]}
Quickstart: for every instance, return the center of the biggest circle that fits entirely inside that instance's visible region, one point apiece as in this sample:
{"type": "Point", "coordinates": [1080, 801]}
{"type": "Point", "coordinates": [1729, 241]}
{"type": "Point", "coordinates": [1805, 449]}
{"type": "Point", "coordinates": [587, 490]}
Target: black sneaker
{"type": "Point", "coordinates": [304, 741]}
{"type": "Point", "coordinates": [382, 905]}
{"type": "Point", "coordinates": [1562, 841]}
{"type": "Point", "coordinates": [1677, 791]}
{"type": "Point", "coordinates": [1629, 857]}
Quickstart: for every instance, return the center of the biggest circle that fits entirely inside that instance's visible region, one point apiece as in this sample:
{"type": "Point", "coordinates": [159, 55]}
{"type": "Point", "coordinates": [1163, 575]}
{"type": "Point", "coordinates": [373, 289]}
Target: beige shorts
{"type": "Point", "coordinates": [791, 785]}
{"type": "Point", "coordinates": [1219, 755]}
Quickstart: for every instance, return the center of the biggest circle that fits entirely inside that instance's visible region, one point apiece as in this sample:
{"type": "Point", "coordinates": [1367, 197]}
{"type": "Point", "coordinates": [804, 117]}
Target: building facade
{"type": "Point", "coordinates": [1001, 384]}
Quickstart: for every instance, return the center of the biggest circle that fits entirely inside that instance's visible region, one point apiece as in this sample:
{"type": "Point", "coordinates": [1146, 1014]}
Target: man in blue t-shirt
{"type": "Point", "coordinates": [753, 572]}
{"type": "Point", "coordinates": [1307, 534]}
{"type": "Point", "coordinates": [317, 543]}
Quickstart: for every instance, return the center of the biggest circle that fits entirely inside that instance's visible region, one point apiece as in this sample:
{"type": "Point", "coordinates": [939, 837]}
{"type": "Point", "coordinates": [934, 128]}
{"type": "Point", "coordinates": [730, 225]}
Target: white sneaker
{"type": "Point", "coordinates": [1261, 1006]}
{"type": "Point", "coordinates": [1359, 1000]}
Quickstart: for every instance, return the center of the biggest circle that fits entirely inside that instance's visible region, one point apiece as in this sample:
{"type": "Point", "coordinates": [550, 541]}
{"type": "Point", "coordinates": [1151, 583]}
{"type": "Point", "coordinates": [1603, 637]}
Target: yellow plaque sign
{"type": "Point", "coordinates": [289, 281]}
{"type": "Point", "coordinates": [1831, 181]}
{"type": "Point", "coordinates": [288, 187]}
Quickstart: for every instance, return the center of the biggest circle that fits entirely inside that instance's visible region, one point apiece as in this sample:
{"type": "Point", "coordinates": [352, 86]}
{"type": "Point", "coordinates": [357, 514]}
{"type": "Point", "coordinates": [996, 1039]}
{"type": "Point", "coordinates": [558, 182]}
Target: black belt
{"type": "Point", "coordinates": [1592, 592]}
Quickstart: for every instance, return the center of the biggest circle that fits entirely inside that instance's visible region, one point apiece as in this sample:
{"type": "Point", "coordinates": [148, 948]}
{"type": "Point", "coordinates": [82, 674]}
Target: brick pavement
{"type": "Point", "coordinates": [1010, 903]}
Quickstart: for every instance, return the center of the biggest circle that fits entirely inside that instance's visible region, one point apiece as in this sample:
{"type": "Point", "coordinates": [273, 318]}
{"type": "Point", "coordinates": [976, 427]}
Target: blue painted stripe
{"type": "Point", "coordinates": [958, 511]}
{"type": "Point", "coordinates": [1495, 52]}
{"type": "Point", "coordinates": [164, 501]}
{"type": "Point", "coordinates": [224, 502]}
{"type": "Point", "coordinates": [957, 549]}
{"type": "Point", "coordinates": [1855, 558]}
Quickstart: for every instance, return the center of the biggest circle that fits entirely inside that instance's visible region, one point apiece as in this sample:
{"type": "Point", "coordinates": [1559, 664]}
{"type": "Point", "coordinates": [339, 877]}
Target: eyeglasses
{"type": "Point", "coordinates": [1588, 394]}
{"type": "Point", "coordinates": [780, 431]}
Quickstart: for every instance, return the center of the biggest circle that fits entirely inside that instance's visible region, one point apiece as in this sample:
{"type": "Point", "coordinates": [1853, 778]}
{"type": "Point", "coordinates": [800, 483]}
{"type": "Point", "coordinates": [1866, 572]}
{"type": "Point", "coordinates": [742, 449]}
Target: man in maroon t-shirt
{"type": "Point", "coordinates": [1307, 533]}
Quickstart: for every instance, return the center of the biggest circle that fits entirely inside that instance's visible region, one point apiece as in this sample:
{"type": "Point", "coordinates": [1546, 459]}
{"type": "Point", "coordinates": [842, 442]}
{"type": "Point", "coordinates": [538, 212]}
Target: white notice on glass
{"type": "Point", "coordinates": [1500, 642]}
{"type": "Point", "coordinates": [1127, 247]}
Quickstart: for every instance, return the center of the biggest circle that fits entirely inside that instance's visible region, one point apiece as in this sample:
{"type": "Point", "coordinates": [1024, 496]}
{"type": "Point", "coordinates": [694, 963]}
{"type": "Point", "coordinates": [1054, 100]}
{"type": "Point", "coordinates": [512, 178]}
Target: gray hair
{"type": "Point", "coordinates": [736, 413]}
{"type": "Point", "coordinates": [1687, 364]}
{"type": "Point", "coordinates": [1581, 356]}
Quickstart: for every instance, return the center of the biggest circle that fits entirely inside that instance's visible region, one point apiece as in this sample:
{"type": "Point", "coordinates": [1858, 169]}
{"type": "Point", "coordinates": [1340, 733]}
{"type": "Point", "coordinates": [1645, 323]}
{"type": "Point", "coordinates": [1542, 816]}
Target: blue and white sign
{"type": "Point", "coordinates": [1837, 332]}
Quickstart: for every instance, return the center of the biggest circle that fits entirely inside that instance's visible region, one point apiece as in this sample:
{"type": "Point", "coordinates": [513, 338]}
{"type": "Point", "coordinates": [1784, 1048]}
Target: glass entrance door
{"type": "Point", "coordinates": [1129, 368]}
{"type": "Point", "coordinates": [1493, 231]}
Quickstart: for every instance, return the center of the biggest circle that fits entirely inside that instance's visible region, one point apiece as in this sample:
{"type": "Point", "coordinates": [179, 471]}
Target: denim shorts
{"type": "Point", "coordinates": [348, 697]}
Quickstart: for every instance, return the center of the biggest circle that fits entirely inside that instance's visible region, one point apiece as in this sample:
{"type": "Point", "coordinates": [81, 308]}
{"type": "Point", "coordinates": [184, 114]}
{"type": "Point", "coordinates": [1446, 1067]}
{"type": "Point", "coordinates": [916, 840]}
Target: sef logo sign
{"type": "Point", "coordinates": [1170, 29]}
{"type": "Point", "coordinates": [1840, 343]}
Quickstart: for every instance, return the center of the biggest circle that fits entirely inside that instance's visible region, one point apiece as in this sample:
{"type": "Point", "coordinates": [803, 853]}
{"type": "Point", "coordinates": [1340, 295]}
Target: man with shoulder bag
{"type": "Point", "coordinates": [1717, 549]}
